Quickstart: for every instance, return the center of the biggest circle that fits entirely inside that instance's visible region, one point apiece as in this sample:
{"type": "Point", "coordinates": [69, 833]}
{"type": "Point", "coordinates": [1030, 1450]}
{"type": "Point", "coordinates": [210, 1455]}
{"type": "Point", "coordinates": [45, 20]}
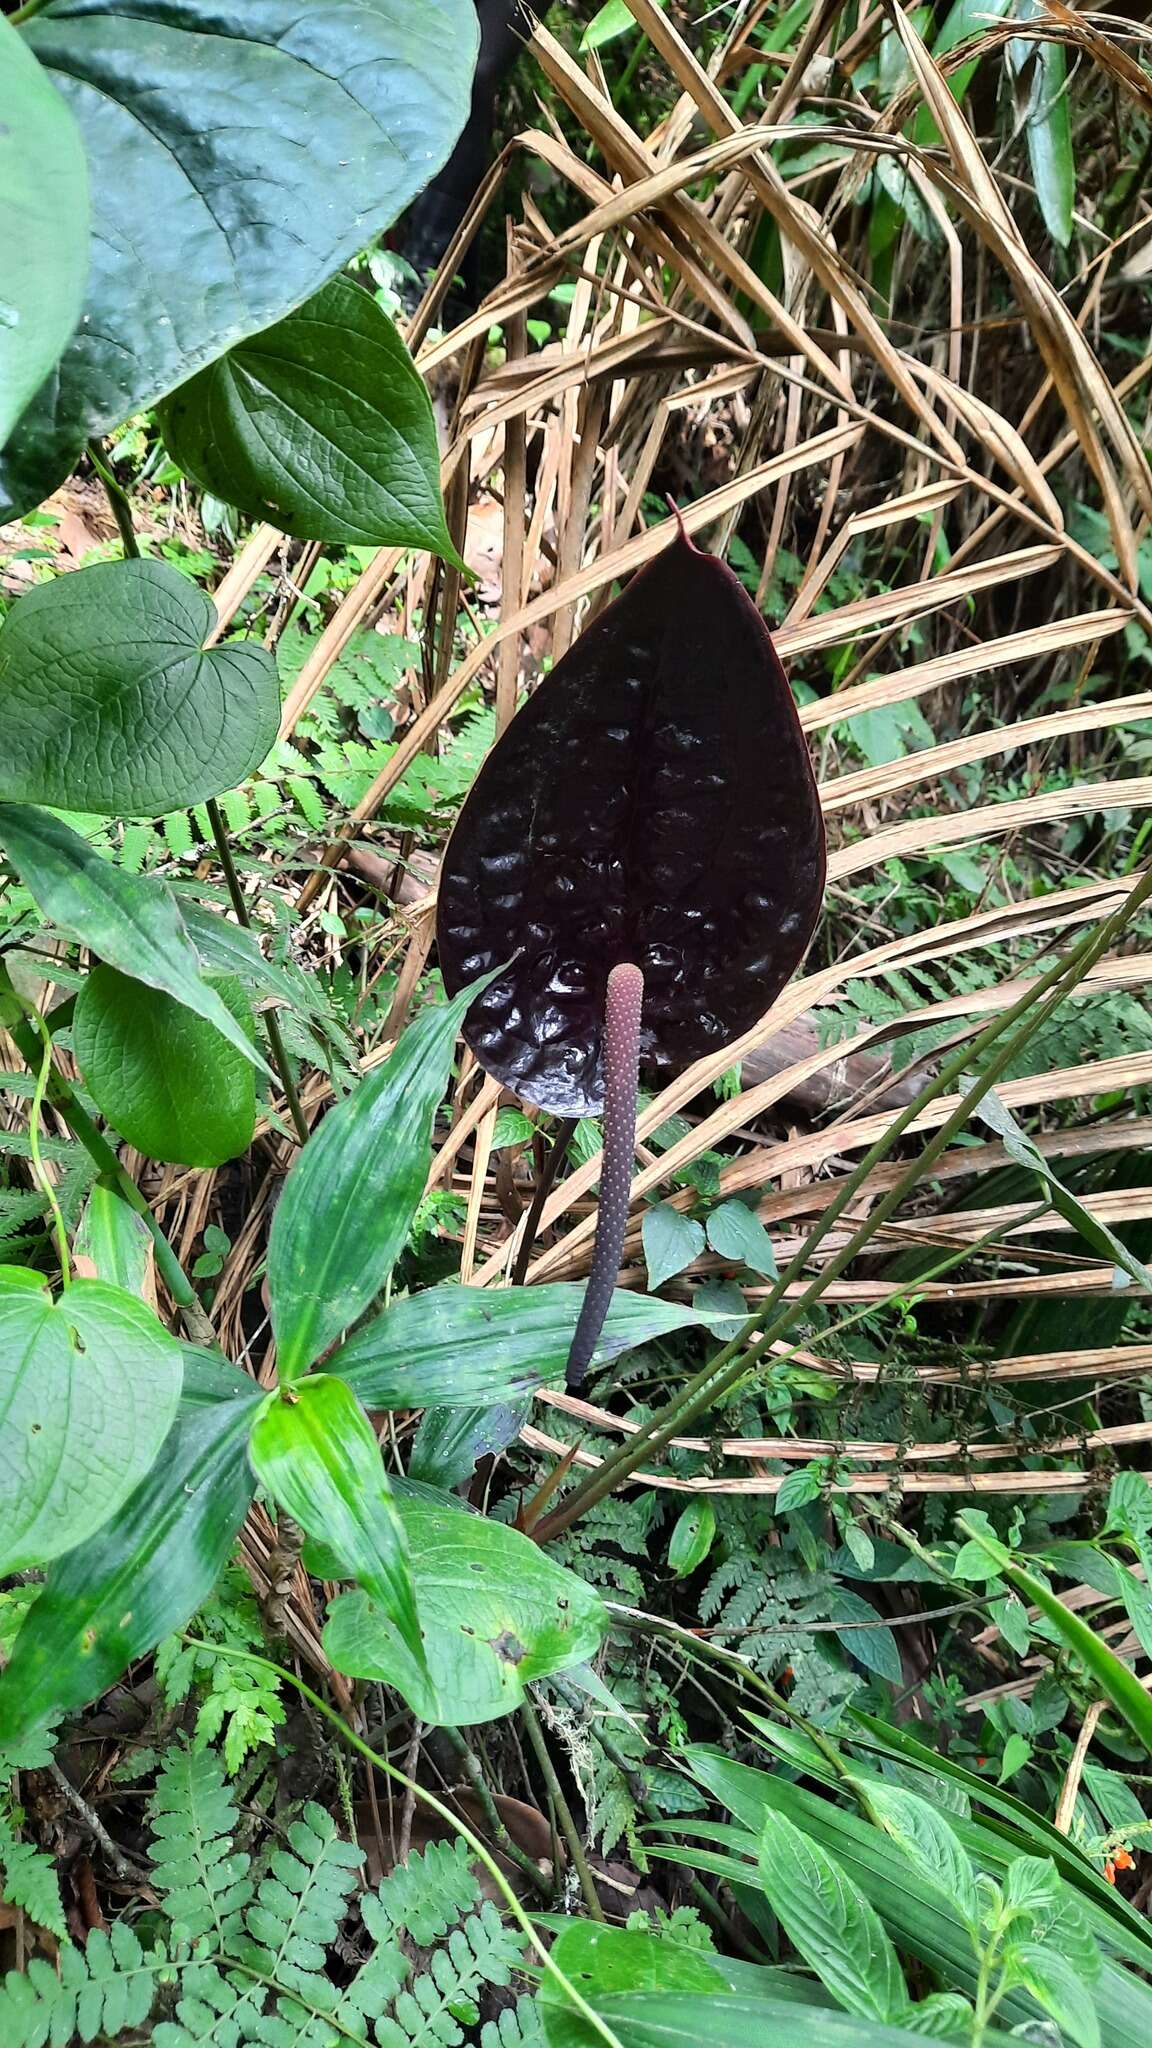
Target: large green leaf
{"type": "Point", "coordinates": [88, 1389]}
{"type": "Point", "coordinates": [163, 1077]}
{"type": "Point", "coordinates": [343, 1218]}
{"type": "Point", "coordinates": [142, 1574]}
{"type": "Point", "coordinates": [112, 703]}
{"type": "Point", "coordinates": [456, 1346]}
{"type": "Point", "coordinates": [131, 921]}
{"type": "Point", "coordinates": [314, 1449]}
{"type": "Point", "coordinates": [830, 1923]}
{"type": "Point", "coordinates": [114, 1240]}
{"type": "Point", "coordinates": [709, 2019]}
{"type": "Point", "coordinates": [45, 186]}
{"type": "Point", "coordinates": [496, 1613]}
{"type": "Point", "coordinates": [240, 151]}
{"type": "Point", "coordinates": [608, 1960]}
{"type": "Point", "coordinates": [320, 424]}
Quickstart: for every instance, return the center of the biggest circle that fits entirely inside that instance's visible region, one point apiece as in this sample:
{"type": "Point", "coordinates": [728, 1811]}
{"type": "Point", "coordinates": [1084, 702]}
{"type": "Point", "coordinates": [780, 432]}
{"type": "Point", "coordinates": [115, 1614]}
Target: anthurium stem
{"type": "Point", "coordinates": [767, 1327]}
{"type": "Point", "coordinates": [622, 1006]}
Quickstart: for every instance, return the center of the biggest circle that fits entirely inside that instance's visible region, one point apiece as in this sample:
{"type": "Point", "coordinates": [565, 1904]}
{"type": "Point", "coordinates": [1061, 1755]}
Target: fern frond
{"type": "Point", "coordinates": [518, 2026]}
{"type": "Point", "coordinates": [425, 1895]}
{"type": "Point", "coordinates": [28, 1880]}
{"type": "Point", "coordinates": [442, 2001]}
{"type": "Point", "coordinates": [202, 1881]}
{"type": "Point", "coordinates": [100, 1991]}
{"type": "Point", "coordinates": [296, 1915]}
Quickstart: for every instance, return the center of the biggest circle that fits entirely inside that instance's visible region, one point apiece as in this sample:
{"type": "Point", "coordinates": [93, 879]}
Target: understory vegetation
{"type": "Point", "coordinates": [791, 1678]}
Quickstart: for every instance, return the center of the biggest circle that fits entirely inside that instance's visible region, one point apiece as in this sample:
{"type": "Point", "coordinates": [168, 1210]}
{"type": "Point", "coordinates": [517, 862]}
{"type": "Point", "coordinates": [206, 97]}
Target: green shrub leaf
{"type": "Point", "coordinates": [45, 186]}
{"type": "Point", "coordinates": [131, 921]}
{"type": "Point", "coordinates": [321, 424]}
{"type": "Point", "coordinates": [88, 1390]}
{"type": "Point", "coordinates": [456, 1346]}
{"type": "Point", "coordinates": [343, 1218]}
{"type": "Point", "coordinates": [143, 1573]}
{"type": "Point", "coordinates": [830, 1922]}
{"type": "Point", "coordinates": [112, 703]}
{"type": "Point", "coordinates": [316, 1452]}
{"type": "Point", "coordinates": [496, 1613]}
{"type": "Point", "coordinates": [239, 154]}
{"type": "Point", "coordinates": [163, 1077]}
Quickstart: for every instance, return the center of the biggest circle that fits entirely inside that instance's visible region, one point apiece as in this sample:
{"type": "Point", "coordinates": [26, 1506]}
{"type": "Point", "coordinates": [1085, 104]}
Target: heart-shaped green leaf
{"type": "Point", "coordinates": [320, 424]}
{"type": "Point", "coordinates": [239, 152]}
{"type": "Point", "coordinates": [113, 704]}
{"type": "Point", "coordinates": [342, 1220]}
{"type": "Point", "coordinates": [45, 186]}
{"type": "Point", "coordinates": [145, 1571]}
{"type": "Point", "coordinates": [315, 1451]}
{"type": "Point", "coordinates": [165, 1079]}
{"type": "Point", "coordinates": [131, 921]}
{"type": "Point", "coordinates": [496, 1614]}
{"type": "Point", "coordinates": [88, 1389]}
{"type": "Point", "coordinates": [455, 1346]}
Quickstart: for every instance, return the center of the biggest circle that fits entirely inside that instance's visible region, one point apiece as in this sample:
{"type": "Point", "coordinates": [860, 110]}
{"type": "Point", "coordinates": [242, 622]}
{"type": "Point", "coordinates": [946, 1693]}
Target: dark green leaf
{"type": "Point", "coordinates": [113, 704]}
{"type": "Point", "coordinates": [320, 424]}
{"type": "Point", "coordinates": [344, 1216]}
{"type": "Point", "coordinates": [830, 1923]}
{"type": "Point", "coordinates": [132, 921]}
{"type": "Point", "coordinates": [45, 185]}
{"type": "Point", "coordinates": [496, 1613]}
{"type": "Point", "coordinates": [456, 1346]}
{"type": "Point", "coordinates": [872, 1643]}
{"type": "Point", "coordinates": [164, 1078]}
{"type": "Point", "coordinates": [671, 1242]}
{"type": "Point", "coordinates": [692, 1538]}
{"type": "Point", "coordinates": [88, 1389]}
{"type": "Point", "coordinates": [735, 1232]}
{"type": "Point", "coordinates": [141, 1575]}
{"type": "Point", "coordinates": [315, 1451]}
{"type": "Point", "coordinates": [239, 154]}
{"type": "Point", "coordinates": [450, 1440]}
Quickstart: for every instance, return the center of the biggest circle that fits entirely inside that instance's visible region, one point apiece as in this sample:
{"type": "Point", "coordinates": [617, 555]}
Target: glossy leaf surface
{"type": "Point", "coordinates": [113, 704]}
{"type": "Point", "coordinates": [88, 1390]}
{"type": "Point", "coordinates": [342, 1220]}
{"type": "Point", "coordinates": [316, 1453]}
{"type": "Point", "coordinates": [495, 1610]}
{"type": "Point", "coordinates": [131, 921]}
{"type": "Point", "coordinates": [45, 186]}
{"type": "Point", "coordinates": [163, 1077]}
{"type": "Point", "coordinates": [654, 802]}
{"type": "Point", "coordinates": [321, 424]}
{"type": "Point", "coordinates": [456, 1346]}
{"type": "Point", "coordinates": [240, 152]}
{"type": "Point", "coordinates": [143, 1573]}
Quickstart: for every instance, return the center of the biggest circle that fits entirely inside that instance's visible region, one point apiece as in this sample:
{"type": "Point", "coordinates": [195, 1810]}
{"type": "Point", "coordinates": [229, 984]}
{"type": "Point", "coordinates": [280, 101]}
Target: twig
{"type": "Point", "coordinates": [1070, 1790]}
{"type": "Point", "coordinates": [269, 1018]}
{"type": "Point", "coordinates": [280, 1570]}
{"type": "Point", "coordinates": [122, 1865]}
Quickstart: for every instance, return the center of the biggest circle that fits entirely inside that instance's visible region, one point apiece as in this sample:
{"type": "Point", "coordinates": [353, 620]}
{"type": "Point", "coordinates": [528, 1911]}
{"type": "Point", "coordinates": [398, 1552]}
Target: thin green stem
{"type": "Point", "coordinates": [43, 1177]}
{"type": "Point", "coordinates": [269, 1018]}
{"type": "Point", "coordinates": [436, 1806]}
{"type": "Point", "coordinates": [117, 496]}
{"type": "Point", "coordinates": [761, 1331]}
{"type": "Point", "coordinates": [563, 1811]}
